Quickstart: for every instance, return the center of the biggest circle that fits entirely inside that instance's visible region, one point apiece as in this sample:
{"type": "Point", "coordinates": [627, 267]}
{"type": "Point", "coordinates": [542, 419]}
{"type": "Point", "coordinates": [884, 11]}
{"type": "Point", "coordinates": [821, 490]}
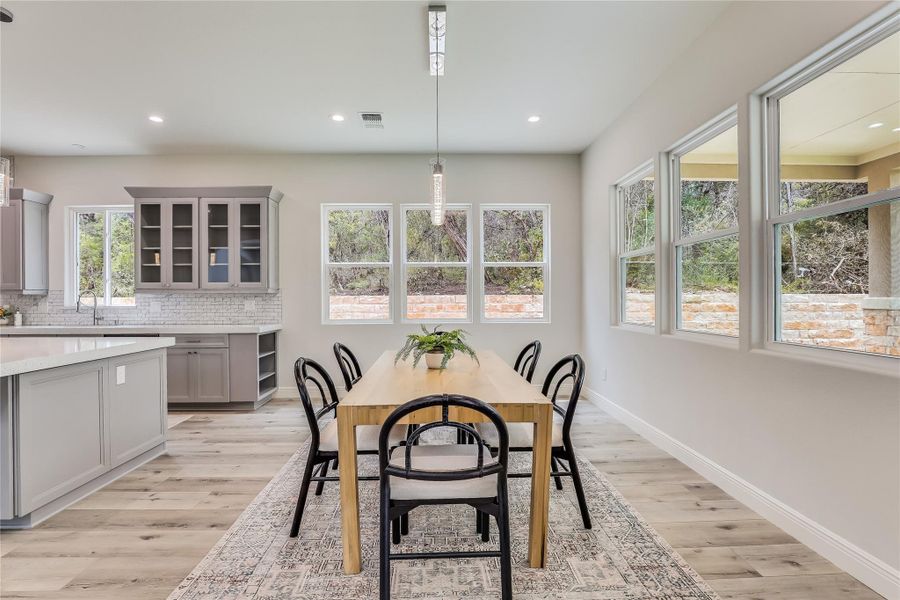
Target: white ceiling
{"type": "Point", "coordinates": [265, 76]}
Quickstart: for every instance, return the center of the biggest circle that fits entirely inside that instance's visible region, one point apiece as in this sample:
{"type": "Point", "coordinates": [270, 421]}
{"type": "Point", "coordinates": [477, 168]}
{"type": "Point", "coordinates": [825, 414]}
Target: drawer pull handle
{"type": "Point", "coordinates": [192, 341]}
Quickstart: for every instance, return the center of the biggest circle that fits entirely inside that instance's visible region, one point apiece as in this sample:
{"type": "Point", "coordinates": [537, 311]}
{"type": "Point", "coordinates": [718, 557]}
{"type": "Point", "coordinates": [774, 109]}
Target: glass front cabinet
{"type": "Point", "coordinates": [221, 242]}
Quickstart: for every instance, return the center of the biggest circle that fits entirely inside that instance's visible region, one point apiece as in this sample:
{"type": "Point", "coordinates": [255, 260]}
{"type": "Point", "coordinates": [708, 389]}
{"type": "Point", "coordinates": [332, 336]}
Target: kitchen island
{"type": "Point", "coordinates": [75, 414]}
{"type": "Point", "coordinates": [211, 367]}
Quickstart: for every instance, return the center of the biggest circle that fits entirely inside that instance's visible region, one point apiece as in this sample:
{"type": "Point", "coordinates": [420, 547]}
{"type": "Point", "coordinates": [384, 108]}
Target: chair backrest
{"type": "Point", "coordinates": [444, 401]}
{"type": "Point", "coordinates": [349, 365]}
{"type": "Point", "coordinates": [528, 359]}
{"type": "Point", "coordinates": [568, 368]}
{"type": "Point", "coordinates": [308, 372]}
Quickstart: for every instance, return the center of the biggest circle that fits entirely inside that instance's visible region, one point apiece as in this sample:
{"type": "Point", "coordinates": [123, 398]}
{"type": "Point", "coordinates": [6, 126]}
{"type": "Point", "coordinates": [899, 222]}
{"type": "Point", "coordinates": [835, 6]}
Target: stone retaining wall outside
{"type": "Point", "coordinates": [449, 307]}
{"type": "Point", "coordinates": [833, 320]}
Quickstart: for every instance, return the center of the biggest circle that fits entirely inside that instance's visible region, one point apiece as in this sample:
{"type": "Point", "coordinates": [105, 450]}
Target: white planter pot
{"type": "Point", "coordinates": [434, 359]}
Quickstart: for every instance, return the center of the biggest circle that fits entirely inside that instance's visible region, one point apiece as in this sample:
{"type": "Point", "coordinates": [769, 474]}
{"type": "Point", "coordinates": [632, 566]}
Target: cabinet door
{"type": "Point", "coordinates": [180, 377]}
{"type": "Point", "coordinates": [250, 223]}
{"type": "Point", "coordinates": [212, 374]}
{"type": "Point", "coordinates": [217, 245]}
{"type": "Point", "coordinates": [11, 246]}
{"type": "Point", "coordinates": [181, 243]}
{"type": "Point", "coordinates": [35, 244]}
{"type": "Point", "coordinates": [148, 243]}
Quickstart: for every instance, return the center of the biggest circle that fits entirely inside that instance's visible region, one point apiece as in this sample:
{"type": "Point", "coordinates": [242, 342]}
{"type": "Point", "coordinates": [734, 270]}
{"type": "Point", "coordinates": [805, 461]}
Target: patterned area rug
{"type": "Point", "coordinates": [620, 558]}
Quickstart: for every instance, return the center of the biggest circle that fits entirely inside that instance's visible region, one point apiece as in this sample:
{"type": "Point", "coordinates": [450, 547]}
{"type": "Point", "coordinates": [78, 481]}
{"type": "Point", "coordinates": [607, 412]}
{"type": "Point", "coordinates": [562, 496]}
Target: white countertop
{"type": "Point", "coordinates": [39, 353]}
{"type": "Point", "coordinates": [134, 329]}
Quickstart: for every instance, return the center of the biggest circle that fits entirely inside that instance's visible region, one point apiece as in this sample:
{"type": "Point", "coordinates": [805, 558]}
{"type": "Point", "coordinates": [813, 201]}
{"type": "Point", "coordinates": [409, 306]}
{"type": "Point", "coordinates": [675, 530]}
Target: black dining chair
{"type": "Point", "coordinates": [527, 360]}
{"type": "Point", "coordinates": [421, 474]}
{"type": "Point", "coordinates": [350, 368]}
{"type": "Point", "coordinates": [521, 435]}
{"type": "Point", "coordinates": [323, 442]}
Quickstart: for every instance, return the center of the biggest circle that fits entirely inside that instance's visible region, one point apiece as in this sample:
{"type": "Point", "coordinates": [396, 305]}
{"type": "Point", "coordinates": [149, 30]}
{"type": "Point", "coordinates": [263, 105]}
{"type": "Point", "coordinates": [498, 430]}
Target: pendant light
{"type": "Point", "coordinates": [437, 28]}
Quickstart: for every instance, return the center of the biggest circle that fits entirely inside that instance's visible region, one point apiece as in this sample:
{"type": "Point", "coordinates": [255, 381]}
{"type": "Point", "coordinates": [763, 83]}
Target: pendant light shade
{"type": "Point", "coordinates": [438, 193]}
{"type": "Point", "coordinates": [437, 29]}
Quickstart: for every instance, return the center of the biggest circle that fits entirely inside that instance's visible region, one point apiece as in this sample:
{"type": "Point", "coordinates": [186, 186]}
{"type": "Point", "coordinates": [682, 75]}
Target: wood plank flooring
{"type": "Point", "coordinates": [141, 535]}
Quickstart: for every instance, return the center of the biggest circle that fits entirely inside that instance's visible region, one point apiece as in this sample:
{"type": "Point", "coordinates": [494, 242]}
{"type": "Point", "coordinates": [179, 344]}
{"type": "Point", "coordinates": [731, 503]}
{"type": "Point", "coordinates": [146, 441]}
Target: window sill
{"type": "Point", "coordinates": [711, 339]}
{"type": "Point", "coordinates": [877, 364]}
{"type": "Point", "coordinates": [358, 322]}
{"type": "Point", "coordinates": [645, 329]}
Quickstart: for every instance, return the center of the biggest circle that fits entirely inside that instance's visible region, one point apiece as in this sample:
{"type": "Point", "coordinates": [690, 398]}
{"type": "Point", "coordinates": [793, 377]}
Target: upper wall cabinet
{"type": "Point", "coordinates": [24, 239]}
{"type": "Point", "coordinates": [223, 238]}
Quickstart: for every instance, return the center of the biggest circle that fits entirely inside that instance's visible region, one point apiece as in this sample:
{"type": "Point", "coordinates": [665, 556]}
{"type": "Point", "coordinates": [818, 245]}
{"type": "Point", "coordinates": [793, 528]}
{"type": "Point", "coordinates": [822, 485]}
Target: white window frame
{"type": "Point", "coordinates": [647, 168]}
{"type": "Point", "coordinates": [718, 125]}
{"type": "Point", "coordinates": [327, 264]}
{"type": "Point", "coordinates": [769, 109]}
{"type": "Point", "coordinates": [73, 269]}
{"type": "Point", "coordinates": [544, 264]}
{"type": "Point", "coordinates": [405, 264]}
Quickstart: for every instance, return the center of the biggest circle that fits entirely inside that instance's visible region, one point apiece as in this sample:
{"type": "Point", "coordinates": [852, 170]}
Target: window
{"type": "Point", "coordinates": [834, 200]}
{"type": "Point", "coordinates": [637, 248]}
{"type": "Point", "coordinates": [357, 263]}
{"type": "Point", "coordinates": [103, 255]}
{"type": "Point", "coordinates": [436, 265]}
{"type": "Point", "coordinates": [515, 262]}
{"type": "Point", "coordinates": [705, 193]}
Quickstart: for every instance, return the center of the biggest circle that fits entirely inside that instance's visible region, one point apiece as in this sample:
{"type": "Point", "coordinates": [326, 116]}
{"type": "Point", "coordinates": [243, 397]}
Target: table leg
{"type": "Point", "coordinates": [540, 488]}
{"type": "Point", "coordinates": [349, 490]}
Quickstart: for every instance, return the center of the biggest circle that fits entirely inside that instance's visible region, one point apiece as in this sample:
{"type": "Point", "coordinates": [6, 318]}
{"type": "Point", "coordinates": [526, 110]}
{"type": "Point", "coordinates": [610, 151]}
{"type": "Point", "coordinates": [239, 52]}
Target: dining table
{"type": "Point", "coordinates": [387, 385]}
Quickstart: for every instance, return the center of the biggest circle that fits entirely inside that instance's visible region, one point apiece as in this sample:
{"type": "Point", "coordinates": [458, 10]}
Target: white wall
{"type": "Point", "coordinates": [822, 440]}
{"type": "Point", "coordinates": [309, 180]}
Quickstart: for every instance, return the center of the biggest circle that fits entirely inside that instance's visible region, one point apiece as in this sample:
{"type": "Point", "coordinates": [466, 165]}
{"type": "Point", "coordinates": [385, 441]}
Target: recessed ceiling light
{"type": "Point", "coordinates": [337, 118]}
{"type": "Point", "coordinates": [156, 118]}
{"type": "Point", "coordinates": [896, 129]}
{"type": "Point", "coordinates": [80, 146]}
{"type": "Point", "coordinates": [875, 125]}
{"type": "Point", "coordinates": [534, 118]}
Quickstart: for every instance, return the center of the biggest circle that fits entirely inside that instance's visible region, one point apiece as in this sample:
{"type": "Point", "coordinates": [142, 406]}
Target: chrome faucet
{"type": "Point", "coordinates": [97, 319]}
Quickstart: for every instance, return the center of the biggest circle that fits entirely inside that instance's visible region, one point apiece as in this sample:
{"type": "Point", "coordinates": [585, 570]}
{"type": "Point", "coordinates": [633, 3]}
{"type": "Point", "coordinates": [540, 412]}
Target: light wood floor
{"type": "Point", "coordinates": [141, 535]}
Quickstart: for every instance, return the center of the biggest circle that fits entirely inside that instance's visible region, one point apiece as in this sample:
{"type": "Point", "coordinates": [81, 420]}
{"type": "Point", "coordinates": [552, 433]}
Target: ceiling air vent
{"type": "Point", "coordinates": [371, 120]}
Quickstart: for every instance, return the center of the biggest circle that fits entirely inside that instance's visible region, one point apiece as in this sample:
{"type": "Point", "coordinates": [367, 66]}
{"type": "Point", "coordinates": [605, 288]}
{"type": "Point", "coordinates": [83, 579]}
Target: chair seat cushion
{"type": "Point", "coordinates": [444, 457]}
{"type": "Point", "coordinates": [366, 437]}
{"type": "Point", "coordinates": [521, 435]}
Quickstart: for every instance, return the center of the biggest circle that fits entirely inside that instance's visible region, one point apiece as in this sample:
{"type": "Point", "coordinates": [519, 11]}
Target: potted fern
{"type": "Point", "coordinates": [438, 347]}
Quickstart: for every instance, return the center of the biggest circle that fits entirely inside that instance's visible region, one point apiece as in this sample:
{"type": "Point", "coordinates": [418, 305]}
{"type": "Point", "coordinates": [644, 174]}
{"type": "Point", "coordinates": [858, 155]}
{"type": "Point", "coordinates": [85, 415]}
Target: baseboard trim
{"type": "Point", "coordinates": [869, 569]}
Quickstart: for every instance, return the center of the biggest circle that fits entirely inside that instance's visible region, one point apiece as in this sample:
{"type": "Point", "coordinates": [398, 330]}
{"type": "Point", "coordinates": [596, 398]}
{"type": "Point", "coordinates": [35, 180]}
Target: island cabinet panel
{"type": "Point", "coordinates": [61, 432]}
{"type": "Point", "coordinates": [137, 417]}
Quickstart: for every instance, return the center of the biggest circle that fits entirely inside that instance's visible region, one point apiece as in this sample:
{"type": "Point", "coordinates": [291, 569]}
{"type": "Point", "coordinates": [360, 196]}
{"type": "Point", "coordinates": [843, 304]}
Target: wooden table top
{"type": "Point", "coordinates": [493, 381]}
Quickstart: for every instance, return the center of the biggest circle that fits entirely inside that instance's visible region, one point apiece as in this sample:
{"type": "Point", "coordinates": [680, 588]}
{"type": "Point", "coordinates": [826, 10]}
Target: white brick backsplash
{"type": "Point", "coordinates": [153, 309]}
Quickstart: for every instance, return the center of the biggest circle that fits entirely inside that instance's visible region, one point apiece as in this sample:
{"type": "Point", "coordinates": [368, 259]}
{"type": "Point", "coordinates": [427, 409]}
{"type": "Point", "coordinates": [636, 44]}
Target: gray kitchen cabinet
{"type": "Point", "coordinates": [233, 235]}
{"type": "Point", "coordinates": [165, 236]}
{"type": "Point", "coordinates": [179, 367]}
{"type": "Point", "coordinates": [24, 242]}
{"type": "Point", "coordinates": [212, 374]}
{"type": "Point", "coordinates": [198, 375]}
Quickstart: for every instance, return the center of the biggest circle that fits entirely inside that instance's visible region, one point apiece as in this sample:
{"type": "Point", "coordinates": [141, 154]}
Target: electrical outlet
{"type": "Point", "coordinates": [120, 374]}
{"type": "Point", "coordinates": [603, 375]}
{"type": "Point", "coordinates": [249, 306]}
